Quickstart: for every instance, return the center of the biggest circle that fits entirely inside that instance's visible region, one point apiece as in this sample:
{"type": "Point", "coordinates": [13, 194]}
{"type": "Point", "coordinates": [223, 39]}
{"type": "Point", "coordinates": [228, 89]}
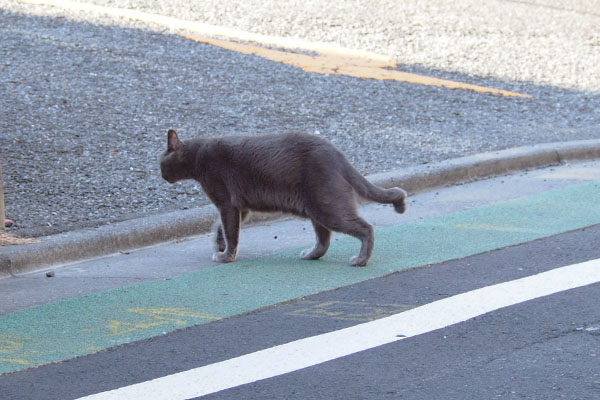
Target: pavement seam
{"type": "Point", "coordinates": [109, 239]}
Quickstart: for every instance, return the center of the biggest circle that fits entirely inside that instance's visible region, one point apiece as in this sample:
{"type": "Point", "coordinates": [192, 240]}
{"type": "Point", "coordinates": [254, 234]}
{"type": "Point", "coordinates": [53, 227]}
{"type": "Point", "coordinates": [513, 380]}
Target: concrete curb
{"type": "Point", "coordinates": [109, 239]}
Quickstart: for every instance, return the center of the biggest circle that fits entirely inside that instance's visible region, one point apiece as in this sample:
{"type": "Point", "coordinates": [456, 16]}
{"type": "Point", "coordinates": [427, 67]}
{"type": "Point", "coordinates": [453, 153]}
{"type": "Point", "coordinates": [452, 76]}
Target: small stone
{"type": "Point", "coordinates": [50, 274]}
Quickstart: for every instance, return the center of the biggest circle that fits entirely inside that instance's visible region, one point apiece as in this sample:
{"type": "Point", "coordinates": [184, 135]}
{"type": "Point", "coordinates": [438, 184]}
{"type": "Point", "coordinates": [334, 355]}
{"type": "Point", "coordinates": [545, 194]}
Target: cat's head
{"type": "Point", "coordinates": [173, 164]}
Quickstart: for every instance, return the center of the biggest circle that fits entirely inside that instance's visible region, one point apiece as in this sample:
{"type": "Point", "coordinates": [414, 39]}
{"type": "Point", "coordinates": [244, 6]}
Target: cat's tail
{"type": "Point", "coordinates": [367, 190]}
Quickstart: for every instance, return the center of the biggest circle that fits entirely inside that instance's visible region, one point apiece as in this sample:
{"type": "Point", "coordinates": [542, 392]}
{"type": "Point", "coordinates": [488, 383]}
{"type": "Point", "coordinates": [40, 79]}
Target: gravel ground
{"type": "Point", "coordinates": [86, 100]}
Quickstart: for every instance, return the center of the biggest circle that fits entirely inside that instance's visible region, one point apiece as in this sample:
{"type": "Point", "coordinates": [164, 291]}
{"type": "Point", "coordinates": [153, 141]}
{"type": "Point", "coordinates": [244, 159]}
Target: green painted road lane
{"type": "Point", "coordinates": [83, 325]}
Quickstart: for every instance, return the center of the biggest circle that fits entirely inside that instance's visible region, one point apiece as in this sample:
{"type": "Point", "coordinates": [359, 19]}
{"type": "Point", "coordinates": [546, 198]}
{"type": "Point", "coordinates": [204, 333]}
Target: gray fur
{"type": "Point", "coordinates": [301, 174]}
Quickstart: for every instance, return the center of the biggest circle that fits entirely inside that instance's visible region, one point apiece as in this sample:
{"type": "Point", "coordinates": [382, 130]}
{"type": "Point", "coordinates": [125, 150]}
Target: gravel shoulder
{"type": "Point", "coordinates": [86, 100]}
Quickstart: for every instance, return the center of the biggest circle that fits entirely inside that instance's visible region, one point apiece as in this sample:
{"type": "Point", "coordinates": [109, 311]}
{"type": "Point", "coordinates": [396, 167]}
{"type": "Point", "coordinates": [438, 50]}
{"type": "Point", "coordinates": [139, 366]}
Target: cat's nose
{"type": "Point", "coordinates": [166, 177]}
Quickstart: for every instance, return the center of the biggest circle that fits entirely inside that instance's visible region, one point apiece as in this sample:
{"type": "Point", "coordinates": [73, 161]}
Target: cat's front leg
{"type": "Point", "coordinates": [219, 237]}
{"type": "Point", "coordinates": [230, 229]}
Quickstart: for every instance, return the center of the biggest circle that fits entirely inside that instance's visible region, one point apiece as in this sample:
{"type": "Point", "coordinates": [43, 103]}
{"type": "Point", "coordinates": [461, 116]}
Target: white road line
{"type": "Point", "coordinates": [318, 349]}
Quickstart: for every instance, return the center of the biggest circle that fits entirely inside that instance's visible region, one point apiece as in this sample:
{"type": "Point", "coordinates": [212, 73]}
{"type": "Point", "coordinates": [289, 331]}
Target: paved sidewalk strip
{"type": "Point", "coordinates": [83, 325]}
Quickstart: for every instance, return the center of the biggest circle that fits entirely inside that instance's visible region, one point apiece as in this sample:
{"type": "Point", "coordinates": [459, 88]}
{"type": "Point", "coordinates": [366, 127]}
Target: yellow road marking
{"type": "Point", "coordinates": [329, 59]}
{"type": "Point", "coordinates": [216, 31]}
{"type": "Point", "coordinates": [19, 361]}
{"type": "Point", "coordinates": [365, 68]}
{"type": "Point", "coordinates": [349, 310]}
{"type": "Point", "coordinates": [10, 345]}
{"type": "Point", "coordinates": [157, 317]}
{"type": "Point", "coordinates": [495, 227]}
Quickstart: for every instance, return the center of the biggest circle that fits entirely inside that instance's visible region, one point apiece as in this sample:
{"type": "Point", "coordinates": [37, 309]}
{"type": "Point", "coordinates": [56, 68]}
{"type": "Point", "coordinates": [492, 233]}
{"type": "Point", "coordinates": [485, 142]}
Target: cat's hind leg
{"type": "Point", "coordinates": [323, 239]}
{"type": "Point", "coordinates": [343, 217]}
{"type": "Point", "coordinates": [362, 230]}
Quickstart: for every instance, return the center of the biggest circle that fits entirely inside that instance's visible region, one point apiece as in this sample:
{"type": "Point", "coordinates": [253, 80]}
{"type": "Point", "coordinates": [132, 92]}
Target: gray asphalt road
{"type": "Point", "coordinates": [545, 347]}
{"type": "Point", "coordinates": [86, 99]}
{"type": "Point", "coordinates": [541, 349]}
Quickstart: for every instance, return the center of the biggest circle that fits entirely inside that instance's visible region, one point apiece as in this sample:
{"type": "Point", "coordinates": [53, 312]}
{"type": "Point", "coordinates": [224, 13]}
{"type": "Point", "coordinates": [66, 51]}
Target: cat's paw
{"type": "Point", "coordinates": [305, 254]}
{"type": "Point", "coordinates": [309, 254]}
{"type": "Point", "coordinates": [223, 257]}
{"type": "Point", "coordinates": [358, 261]}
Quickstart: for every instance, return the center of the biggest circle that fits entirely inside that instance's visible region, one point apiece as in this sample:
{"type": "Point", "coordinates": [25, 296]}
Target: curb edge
{"type": "Point", "coordinates": [109, 239]}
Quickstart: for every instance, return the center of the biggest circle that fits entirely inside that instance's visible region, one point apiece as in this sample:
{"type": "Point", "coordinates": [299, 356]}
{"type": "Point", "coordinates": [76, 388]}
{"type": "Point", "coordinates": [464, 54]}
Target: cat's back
{"type": "Point", "coordinates": [272, 150]}
{"type": "Point", "coordinates": [273, 172]}
{"type": "Point", "coordinates": [301, 146]}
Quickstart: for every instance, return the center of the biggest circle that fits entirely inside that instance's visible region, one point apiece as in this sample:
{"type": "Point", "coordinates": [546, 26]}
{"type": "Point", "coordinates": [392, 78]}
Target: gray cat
{"type": "Point", "coordinates": [301, 174]}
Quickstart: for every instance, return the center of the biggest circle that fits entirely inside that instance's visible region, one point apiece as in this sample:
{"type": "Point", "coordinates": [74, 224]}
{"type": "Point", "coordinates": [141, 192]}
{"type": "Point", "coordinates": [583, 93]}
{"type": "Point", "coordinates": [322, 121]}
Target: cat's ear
{"type": "Point", "coordinates": [173, 142]}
